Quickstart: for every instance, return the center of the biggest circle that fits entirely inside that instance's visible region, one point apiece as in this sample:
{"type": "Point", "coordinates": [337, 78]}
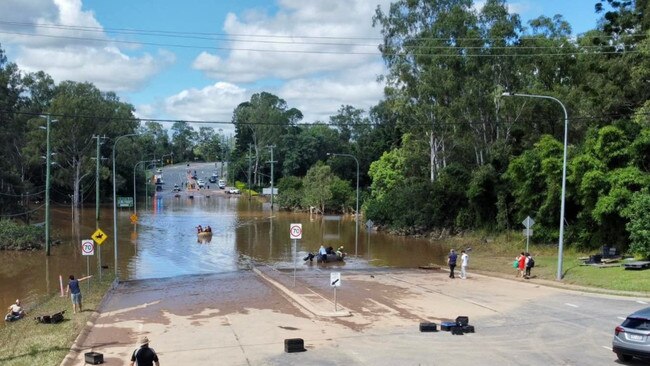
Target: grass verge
{"type": "Point", "coordinates": [497, 254]}
{"type": "Point", "coordinates": [26, 342]}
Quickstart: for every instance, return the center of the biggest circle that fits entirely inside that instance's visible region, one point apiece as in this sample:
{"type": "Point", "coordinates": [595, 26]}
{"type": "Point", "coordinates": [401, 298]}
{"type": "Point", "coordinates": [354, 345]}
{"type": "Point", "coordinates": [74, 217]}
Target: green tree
{"type": "Point", "coordinates": [316, 187]}
{"type": "Point", "coordinates": [638, 214]}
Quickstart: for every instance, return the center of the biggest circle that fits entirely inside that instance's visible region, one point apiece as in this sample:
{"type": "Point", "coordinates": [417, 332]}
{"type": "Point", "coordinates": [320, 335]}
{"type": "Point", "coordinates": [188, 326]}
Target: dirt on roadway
{"type": "Point", "coordinates": [243, 318]}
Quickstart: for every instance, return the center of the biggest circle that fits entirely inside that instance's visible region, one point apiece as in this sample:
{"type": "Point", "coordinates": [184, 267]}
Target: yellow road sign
{"type": "Point", "coordinates": [99, 236]}
{"type": "Point", "coordinates": [134, 218]}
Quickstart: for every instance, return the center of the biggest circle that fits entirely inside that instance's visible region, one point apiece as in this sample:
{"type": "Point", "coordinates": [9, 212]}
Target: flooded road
{"type": "Point", "coordinates": [164, 243]}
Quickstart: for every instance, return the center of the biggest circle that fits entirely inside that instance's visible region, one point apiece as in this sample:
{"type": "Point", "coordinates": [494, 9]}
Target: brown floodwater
{"type": "Point", "coordinates": [164, 243]}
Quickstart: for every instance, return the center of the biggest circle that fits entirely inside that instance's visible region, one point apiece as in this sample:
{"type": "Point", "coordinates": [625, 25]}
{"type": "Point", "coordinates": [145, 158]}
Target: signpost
{"type": "Point", "coordinates": [295, 233]}
{"type": "Point", "coordinates": [87, 249]}
{"type": "Point", "coordinates": [528, 232]}
{"type": "Point", "coordinates": [369, 226]}
{"type": "Point", "coordinates": [335, 281]}
{"type": "Point", "coordinates": [99, 236]}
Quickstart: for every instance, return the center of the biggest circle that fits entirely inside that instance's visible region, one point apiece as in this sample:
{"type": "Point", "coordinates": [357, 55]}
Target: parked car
{"type": "Point", "coordinates": [213, 179]}
{"type": "Point", "coordinates": [222, 184]}
{"type": "Point", "coordinates": [176, 188]}
{"type": "Point", "coordinates": [201, 183]}
{"type": "Point", "coordinates": [632, 337]}
{"type": "Point", "coordinates": [233, 191]}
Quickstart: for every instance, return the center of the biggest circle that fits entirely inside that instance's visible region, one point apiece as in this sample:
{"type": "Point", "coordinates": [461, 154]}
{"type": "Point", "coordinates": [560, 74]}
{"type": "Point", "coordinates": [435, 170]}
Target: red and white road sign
{"type": "Point", "coordinates": [87, 247]}
{"type": "Point", "coordinates": [295, 231]}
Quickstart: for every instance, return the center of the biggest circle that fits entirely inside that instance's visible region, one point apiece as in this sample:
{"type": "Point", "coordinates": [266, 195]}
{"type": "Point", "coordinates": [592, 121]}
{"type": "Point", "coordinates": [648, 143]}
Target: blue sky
{"type": "Point", "coordinates": [213, 65]}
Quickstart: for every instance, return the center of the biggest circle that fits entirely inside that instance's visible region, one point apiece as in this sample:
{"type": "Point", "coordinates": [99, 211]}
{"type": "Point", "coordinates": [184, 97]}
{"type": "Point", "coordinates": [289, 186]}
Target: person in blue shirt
{"type": "Point", "coordinates": [451, 261]}
{"type": "Point", "coordinates": [322, 252]}
{"type": "Point", "coordinates": [75, 292]}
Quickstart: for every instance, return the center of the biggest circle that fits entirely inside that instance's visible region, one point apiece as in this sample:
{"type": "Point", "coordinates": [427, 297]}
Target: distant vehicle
{"type": "Point", "coordinates": [201, 183]}
{"type": "Point", "coordinates": [222, 184]}
{"type": "Point", "coordinates": [213, 178]}
{"type": "Point", "coordinates": [176, 188]}
{"type": "Point", "coordinates": [632, 337]}
{"type": "Point", "coordinates": [233, 191]}
{"type": "Point", "coordinates": [158, 170]}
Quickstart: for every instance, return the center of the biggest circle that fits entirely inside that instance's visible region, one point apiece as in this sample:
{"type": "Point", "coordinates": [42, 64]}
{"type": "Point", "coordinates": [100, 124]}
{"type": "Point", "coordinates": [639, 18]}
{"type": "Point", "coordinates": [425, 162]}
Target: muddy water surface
{"type": "Point", "coordinates": [164, 243]}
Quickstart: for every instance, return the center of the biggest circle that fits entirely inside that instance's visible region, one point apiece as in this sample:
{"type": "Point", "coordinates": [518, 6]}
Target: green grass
{"type": "Point", "coordinates": [497, 253]}
{"type": "Point", "coordinates": [25, 342]}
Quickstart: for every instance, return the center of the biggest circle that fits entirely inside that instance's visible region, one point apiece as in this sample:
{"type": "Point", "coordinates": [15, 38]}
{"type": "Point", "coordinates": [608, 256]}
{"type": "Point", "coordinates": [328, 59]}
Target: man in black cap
{"type": "Point", "coordinates": [144, 356]}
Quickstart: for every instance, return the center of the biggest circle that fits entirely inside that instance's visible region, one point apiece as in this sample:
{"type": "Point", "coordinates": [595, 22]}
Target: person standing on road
{"type": "Point", "coordinates": [75, 291]}
{"type": "Point", "coordinates": [451, 261]}
{"type": "Point", "coordinates": [144, 356]}
{"type": "Point", "coordinates": [522, 264]}
{"type": "Point", "coordinates": [464, 261]}
{"type": "Point", "coordinates": [529, 264]}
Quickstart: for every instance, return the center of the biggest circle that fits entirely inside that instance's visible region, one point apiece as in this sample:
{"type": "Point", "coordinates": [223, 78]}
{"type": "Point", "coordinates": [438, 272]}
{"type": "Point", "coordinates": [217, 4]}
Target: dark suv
{"type": "Point", "coordinates": [632, 337]}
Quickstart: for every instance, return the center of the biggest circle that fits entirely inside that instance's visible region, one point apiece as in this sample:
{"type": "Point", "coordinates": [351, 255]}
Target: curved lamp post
{"type": "Point", "coordinates": [566, 134]}
{"type": "Point", "coordinates": [115, 199]}
{"type": "Point", "coordinates": [356, 214]}
{"type": "Point", "coordinates": [135, 201]}
{"type": "Point", "coordinates": [162, 158]}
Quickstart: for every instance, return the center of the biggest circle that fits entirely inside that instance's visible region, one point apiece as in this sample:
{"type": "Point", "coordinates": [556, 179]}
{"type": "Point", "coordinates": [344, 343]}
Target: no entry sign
{"type": "Point", "coordinates": [295, 231]}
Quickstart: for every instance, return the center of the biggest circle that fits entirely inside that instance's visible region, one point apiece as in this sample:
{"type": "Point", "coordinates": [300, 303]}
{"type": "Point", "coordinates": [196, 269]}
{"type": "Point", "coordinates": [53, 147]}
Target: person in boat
{"type": "Point", "coordinates": [329, 250]}
{"type": "Point", "coordinates": [16, 311]}
{"type": "Point", "coordinates": [339, 252]}
{"type": "Point", "coordinates": [199, 229]}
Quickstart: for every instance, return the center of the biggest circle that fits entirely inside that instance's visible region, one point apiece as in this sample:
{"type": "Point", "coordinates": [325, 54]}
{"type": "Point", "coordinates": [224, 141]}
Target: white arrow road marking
{"type": "Point", "coordinates": [641, 302]}
{"type": "Point", "coordinates": [571, 305]}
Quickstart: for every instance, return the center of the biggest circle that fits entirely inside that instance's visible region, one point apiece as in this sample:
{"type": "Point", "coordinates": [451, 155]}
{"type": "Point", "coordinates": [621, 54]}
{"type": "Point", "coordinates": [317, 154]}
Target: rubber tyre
{"type": "Point", "coordinates": [623, 357]}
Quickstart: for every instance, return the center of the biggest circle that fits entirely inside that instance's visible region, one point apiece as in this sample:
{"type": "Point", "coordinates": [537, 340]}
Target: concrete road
{"type": "Point", "coordinates": [242, 318]}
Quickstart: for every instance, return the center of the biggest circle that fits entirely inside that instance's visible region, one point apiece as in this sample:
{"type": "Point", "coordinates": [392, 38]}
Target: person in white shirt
{"type": "Point", "coordinates": [464, 261]}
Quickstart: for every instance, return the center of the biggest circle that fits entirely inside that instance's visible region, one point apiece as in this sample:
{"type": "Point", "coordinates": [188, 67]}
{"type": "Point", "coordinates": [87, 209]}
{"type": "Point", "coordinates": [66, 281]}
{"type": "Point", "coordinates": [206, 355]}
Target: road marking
{"type": "Point", "coordinates": [571, 305]}
{"type": "Point", "coordinates": [641, 302]}
{"type": "Point", "coordinates": [620, 317]}
{"type": "Point", "coordinates": [607, 348]}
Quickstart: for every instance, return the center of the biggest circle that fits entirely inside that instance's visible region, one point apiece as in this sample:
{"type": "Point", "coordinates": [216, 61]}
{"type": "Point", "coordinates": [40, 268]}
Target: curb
{"type": "Point", "coordinates": [302, 302]}
{"type": "Point", "coordinates": [76, 349]}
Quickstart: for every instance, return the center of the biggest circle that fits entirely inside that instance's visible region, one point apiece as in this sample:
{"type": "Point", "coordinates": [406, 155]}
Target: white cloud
{"type": "Point", "coordinates": [46, 36]}
{"type": "Point", "coordinates": [342, 70]}
{"type": "Point", "coordinates": [302, 38]}
{"type": "Point", "coordinates": [214, 102]}
{"type": "Point", "coordinates": [321, 97]}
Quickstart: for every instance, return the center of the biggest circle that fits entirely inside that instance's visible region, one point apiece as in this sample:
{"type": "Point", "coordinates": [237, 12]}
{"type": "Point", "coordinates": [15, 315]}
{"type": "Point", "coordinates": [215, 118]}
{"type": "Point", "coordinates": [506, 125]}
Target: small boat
{"type": "Point", "coordinates": [204, 234]}
{"type": "Point", "coordinates": [330, 258]}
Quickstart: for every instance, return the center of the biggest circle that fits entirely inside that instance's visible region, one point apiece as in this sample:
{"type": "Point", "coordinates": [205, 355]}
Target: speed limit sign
{"type": "Point", "coordinates": [87, 247]}
{"type": "Point", "coordinates": [295, 231]}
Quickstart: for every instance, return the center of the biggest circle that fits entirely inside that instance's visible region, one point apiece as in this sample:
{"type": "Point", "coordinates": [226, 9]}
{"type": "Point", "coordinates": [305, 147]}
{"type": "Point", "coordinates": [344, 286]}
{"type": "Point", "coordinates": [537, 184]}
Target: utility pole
{"type": "Point", "coordinates": [249, 171]}
{"type": "Point", "coordinates": [48, 156]}
{"type": "Point", "coordinates": [97, 164]}
{"type": "Point", "coordinates": [272, 162]}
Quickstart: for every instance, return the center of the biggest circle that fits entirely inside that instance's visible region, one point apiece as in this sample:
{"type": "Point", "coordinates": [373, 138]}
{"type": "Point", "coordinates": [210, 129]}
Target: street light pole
{"type": "Point", "coordinates": [162, 159]}
{"type": "Point", "coordinates": [272, 162]}
{"type": "Point", "coordinates": [564, 158]}
{"type": "Point", "coordinates": [356, 214]}
{"type": "Point", "coordinates": [135, 196]}
{"type": "Point", "coordinates": [115, 200]}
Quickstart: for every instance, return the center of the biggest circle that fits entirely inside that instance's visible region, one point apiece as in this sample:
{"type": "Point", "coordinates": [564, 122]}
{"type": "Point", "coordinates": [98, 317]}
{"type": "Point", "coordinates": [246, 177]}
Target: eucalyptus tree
{"type": "Point", "coordinates": [261, 122]}
{"type": "Point", "coordinates": [183, 140]}
{"type": "Point", "coordinates": [83, 111]}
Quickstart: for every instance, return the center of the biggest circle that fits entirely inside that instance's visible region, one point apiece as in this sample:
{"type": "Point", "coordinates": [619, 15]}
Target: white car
{"type": "Point", "coordinates": [222, 184]}
{"type": "Point", "coordinates": [201, 183]}
{"type": "Point", "coordinates": [233, 191]}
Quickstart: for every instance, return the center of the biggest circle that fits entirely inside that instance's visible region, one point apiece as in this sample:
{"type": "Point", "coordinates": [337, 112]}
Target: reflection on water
{"type": "Point", "coordinates": [164, 243]}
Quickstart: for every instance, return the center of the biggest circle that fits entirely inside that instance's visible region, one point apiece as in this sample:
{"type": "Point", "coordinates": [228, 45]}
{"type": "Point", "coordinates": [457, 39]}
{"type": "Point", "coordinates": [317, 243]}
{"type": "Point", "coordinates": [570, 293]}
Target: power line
{"type": "Point", "coordinates": [449, 51]}
{"type": "Point", "coordinates": [317, 123]}
{"type": "Point", "coordinates": [291, 37]}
